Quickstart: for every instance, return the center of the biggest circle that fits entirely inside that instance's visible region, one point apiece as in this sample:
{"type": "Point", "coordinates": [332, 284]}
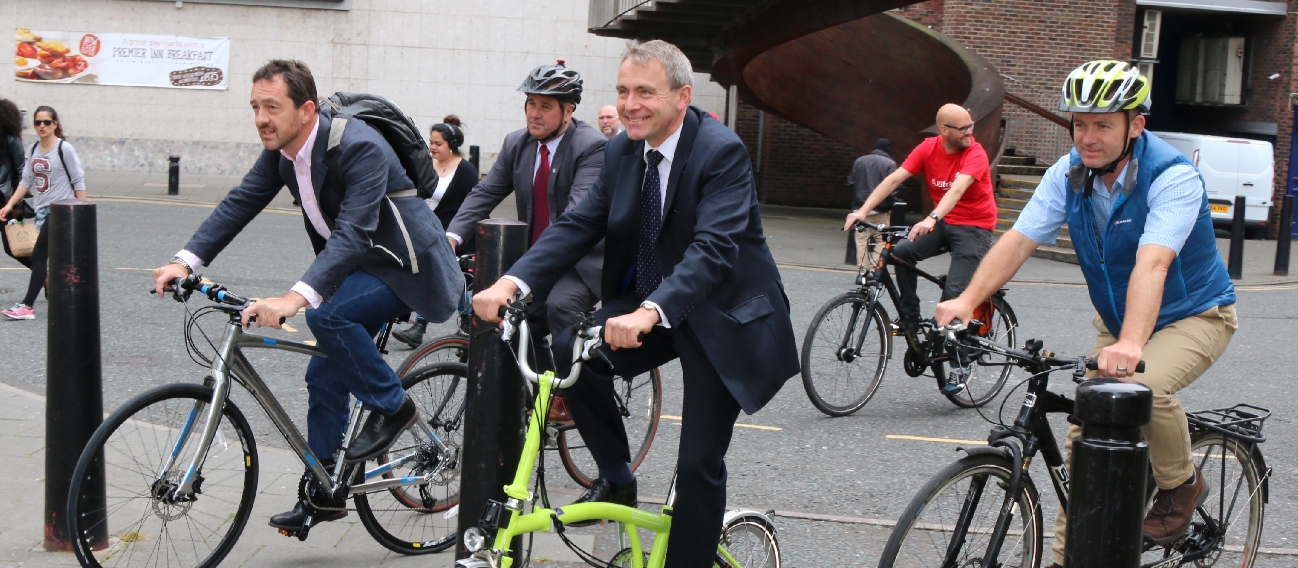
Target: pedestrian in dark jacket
{"type": "Point", "coordinates": [12, 159]}
{"type": "Point", "coordinates": [867, 172]}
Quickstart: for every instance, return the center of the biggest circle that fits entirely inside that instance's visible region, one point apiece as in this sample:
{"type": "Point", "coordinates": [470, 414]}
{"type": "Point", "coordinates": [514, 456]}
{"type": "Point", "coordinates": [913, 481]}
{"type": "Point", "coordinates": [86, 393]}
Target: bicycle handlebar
{"type": "Point", "coordinates": [957, 332]}
{"type": "Point", "coordinates": [181, 288]}
{"type": "Point", "coordinates": [589, 338]}
{"type": "Point", "coordinates": [861, 226]}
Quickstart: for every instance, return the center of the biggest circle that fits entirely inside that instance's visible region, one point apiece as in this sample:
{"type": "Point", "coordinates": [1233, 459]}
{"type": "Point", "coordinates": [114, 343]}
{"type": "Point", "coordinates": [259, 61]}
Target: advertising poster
{"type": "Point", "coordinates": [133, 60]}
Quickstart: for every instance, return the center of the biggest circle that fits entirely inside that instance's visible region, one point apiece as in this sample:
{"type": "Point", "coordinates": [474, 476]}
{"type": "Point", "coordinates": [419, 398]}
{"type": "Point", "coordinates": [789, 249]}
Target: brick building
{"type": "Point", "coordinates": [1034, 43]}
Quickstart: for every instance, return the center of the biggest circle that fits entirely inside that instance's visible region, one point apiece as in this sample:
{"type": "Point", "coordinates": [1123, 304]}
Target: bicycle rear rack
{"type": "Point", "coordinates": [1242, 421]}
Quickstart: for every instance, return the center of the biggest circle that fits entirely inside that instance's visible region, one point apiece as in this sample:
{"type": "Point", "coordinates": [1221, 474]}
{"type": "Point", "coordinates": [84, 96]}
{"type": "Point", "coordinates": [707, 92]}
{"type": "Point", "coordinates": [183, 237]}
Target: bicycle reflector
{"type": "Point", "coordinates": [474, 539]}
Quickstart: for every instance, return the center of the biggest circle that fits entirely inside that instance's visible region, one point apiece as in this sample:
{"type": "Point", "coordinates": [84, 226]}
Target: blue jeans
{"type": "Point", "coordinates": [344, 327]}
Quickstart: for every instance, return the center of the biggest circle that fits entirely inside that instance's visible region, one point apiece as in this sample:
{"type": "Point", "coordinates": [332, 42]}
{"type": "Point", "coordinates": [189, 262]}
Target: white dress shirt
{"type": "Point", "coordinates": [311, 207]}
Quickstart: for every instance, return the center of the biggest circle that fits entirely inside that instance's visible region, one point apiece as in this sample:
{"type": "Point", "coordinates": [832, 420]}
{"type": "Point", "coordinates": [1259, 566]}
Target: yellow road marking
{"type": "Point", "coordinates": [941, 440]}
{"type": "Point", "coordinates": [15, 268]}
{"type": "Point", "coordinates": [737, 425]}
{"type": "Point", "coordinates": [188, 204]}
{"type": "Point", "coordinates": [288, 328]}
{"type": "Point", "coordinates": [310, 342]}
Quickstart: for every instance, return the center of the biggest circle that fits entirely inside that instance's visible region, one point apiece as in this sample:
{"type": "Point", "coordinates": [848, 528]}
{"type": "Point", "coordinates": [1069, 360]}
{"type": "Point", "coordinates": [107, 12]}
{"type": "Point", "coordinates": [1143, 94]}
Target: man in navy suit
{"type": "Point", "coordinates": [687, 274]}
{"type": "Point", "coordinates": [380, 253]}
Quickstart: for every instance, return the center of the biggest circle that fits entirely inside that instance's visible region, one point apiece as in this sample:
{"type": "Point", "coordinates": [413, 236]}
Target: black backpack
{"type": "Point", "coordinates": [397, 128]}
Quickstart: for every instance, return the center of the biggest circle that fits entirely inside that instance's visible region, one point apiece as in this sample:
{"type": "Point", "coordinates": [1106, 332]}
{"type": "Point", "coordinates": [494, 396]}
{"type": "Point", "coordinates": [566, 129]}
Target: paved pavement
{"type": "Point", "coordinates": [834, 496]}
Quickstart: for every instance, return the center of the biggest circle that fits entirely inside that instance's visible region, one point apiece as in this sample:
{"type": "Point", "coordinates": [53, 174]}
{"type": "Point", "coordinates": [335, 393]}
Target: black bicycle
{"type": "Point", "coordinates": [846, 350]}
{"type": "Point", "coordinates": [984, 509]}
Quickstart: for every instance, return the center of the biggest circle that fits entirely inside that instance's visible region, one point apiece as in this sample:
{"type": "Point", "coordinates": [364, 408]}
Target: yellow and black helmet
{"type": "Point", "coordinates": [1105, 86]}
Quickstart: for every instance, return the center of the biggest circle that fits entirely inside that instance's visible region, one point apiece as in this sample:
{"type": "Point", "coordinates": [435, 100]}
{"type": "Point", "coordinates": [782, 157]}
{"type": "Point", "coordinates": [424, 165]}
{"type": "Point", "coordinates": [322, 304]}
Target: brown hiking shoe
{"type": "Point", "coordinates": [559, 411]}
{"type": "Point", "coordinates": [1173, 509]}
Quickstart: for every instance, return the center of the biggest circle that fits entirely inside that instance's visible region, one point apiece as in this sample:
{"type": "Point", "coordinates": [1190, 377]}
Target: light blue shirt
{"type": "Point", "coordinates": [1174, 201]}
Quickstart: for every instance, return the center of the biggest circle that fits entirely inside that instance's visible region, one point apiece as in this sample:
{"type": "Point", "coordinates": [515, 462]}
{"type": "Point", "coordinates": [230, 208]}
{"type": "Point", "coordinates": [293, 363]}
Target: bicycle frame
{"type": "Point", "coordinates": [231, 366]}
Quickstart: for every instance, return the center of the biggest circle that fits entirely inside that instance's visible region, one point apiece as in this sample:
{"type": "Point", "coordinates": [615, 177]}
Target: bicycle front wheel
{"type": "Point", "coordinates": [960, 506]}
{"type": "Point", "coordinates": [421, 519]}
{"type": "Point", "coordinates": [453, 348]}
{"type": "Point", "coordinates": [839, 377]}
{"type": "Point", "coordinates": [987, 375]}
{"type": "Point", "coordinates": [1237, 503]}
{"type": "Point", "coordinates": [749, 539]}
{"type": "Point", "coordinates": [141, 520]}
{"type": "Point", "coordinates": [640, 401]}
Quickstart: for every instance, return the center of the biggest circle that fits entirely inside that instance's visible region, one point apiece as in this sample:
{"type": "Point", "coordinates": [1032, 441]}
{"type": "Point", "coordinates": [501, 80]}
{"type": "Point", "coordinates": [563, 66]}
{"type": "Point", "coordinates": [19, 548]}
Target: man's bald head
{"type": "Point", "coordinates": [956, 127]}
{"type": "Point", "coordinates": [608, 121]}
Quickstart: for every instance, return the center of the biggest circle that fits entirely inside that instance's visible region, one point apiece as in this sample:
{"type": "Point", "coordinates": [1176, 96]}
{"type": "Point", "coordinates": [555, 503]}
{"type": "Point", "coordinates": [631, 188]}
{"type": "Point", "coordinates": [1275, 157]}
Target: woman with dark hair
{"type": "Point", "coordinates": [11, 158]}
{"type": "Point", "coordinates": [53, 173]}
{"type": "Point", "coordinates": [455, 178]}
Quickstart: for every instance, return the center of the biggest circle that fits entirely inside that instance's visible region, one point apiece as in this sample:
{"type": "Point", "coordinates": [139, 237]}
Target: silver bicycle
{"type": "Point", "coordinates": [179, 462]}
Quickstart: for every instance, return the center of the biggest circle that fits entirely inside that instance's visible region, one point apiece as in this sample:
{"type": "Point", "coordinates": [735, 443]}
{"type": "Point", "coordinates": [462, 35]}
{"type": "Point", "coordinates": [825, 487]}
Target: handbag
{"type": "Point", "coordinates": [21, 237]}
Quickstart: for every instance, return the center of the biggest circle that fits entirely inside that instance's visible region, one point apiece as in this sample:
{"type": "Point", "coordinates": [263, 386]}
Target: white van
{"type": "Point", "coordinates": [1230, 167]}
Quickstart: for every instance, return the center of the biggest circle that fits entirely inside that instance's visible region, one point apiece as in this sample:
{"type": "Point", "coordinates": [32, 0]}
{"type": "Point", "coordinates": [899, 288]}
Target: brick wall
{"type": "Point", "coordinates": [797, 166]}
{"type": "Point", "coordinates": [928, 13]}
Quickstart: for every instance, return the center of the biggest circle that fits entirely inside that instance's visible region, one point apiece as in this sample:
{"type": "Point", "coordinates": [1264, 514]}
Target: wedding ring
{"type": "Point", "coordinates": [1122, 369]}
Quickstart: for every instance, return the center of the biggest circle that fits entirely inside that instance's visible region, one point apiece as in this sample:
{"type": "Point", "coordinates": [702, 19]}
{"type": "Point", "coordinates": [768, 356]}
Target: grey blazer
{"type": "Point", "coordinates": [395, 239]}
{"type": "Point", "coordinates": [574, 169]}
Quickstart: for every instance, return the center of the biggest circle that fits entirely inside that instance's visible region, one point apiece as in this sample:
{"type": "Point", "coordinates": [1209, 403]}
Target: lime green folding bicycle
{"type": "Point", "coordinates": [747, 539]}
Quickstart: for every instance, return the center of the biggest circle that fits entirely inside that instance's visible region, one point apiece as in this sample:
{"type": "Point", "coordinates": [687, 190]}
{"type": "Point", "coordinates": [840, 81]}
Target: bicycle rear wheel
{"type": "Point", "coordinates": [972, 489]}
{"type": "Point", "coordinates": [421, 519]}
{"type": "Point", "coordinates": [984, 381]}
{"type": "Point", "coordinates": [453, 348]}
{"type": "Point", "coordinates": [640, 401]}
{"type": "Point", "coordinates": [838, 378]}
{"type": "Point", "coordinates": [1236, 505]}
{"type": "Point", "coordinates": [141, 522]}
{"type": "Point", "coordinates": [750, 540]}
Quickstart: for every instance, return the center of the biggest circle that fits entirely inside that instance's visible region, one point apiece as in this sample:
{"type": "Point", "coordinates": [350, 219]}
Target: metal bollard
{"type": "Point", "coordinates": [1106, 501]}
{"type": "Point", "coordinates": [1235, 267]}
{"type": "Point", "coordinates": [494, 416]}
{"type": "Point", "coordinates": [898, 216]}
{"type": "Point", "coordinates": [475, 153]}
{"type": "Point", "coordinates": [74, 375]}
{"type": "Point", "coordinates": [1284, 235]}
{"type": "Point", "coordinates": [173, 175]}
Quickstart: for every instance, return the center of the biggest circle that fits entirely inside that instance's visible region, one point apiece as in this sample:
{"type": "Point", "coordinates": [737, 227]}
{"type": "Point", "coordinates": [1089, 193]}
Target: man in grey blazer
{"type": "Point", "coordinates": [574, 152]}
{"type": "Point", "coordinates": [380, 253]}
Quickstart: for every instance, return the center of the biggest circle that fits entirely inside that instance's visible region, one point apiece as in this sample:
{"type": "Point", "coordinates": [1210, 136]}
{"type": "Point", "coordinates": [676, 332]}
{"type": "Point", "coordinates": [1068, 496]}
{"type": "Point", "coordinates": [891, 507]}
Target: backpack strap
{"type": "Point", "coordinates": [66, 171]}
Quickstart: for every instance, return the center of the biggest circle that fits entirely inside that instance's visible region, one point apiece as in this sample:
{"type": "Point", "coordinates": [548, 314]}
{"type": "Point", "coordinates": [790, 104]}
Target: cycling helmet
{"type": "Point", "coordinates": [556, 81]}
{"type": "Point", "coordinates": [1105, 86]}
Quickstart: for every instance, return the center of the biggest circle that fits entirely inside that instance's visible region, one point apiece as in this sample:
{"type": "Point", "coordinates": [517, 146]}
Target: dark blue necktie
{"type": "Point", "coordinates": [647, 276]}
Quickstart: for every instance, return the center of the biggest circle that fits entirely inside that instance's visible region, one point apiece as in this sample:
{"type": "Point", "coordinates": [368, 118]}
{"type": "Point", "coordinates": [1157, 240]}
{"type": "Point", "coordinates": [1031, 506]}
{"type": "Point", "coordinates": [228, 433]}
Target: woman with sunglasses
{"type": "Point", "coordinates": [53, 173]}
{"type": "Point", "coordinates": [456, 176]}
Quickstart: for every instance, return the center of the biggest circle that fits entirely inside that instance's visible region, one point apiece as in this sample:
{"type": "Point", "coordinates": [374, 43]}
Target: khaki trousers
{"type": "Point", "coordinates": [863, 241]}
{"type": "Point", "coordinates": [1174, 357]}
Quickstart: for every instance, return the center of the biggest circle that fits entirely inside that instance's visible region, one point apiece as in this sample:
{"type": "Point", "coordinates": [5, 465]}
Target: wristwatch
{"type": "Point", "coordinates": [181, 261]}
{"type": "Point", "coordinates": [934, 216]}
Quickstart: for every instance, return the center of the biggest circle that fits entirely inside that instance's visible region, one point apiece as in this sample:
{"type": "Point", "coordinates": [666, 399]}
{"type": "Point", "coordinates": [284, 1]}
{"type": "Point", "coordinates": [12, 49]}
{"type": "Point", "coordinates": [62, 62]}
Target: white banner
{"type": "Point", "coordinates": [122, 59]}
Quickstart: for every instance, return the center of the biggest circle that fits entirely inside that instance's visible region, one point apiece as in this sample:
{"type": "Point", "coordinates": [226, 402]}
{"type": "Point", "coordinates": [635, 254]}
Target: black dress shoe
{"type": "Point", "coordinates": [604, 491]}
{"type": "Point", "coordinates": [412, 336]}
{"type": "Point", "coordinates": [380, 430]}
{"type": "Point", "coordinates": [294, 522]}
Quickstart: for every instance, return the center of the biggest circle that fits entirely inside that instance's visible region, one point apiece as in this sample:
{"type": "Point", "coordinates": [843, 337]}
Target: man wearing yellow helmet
{"type": "Point", "coordinates": [1137, 213]}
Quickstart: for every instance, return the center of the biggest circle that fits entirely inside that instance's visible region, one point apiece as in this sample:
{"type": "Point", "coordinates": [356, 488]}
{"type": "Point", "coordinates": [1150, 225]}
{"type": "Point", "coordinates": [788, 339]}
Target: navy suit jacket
{"type": "Point", "coordinates": [720, 282]}
{"type": "Point", "coordinates": [397, 240]}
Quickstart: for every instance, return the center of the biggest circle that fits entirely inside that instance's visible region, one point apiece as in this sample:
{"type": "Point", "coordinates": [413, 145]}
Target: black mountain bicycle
{"type": "Point", "coordinates": [847, 348]}
{"type": "Point", "coordinates": [984, 509]}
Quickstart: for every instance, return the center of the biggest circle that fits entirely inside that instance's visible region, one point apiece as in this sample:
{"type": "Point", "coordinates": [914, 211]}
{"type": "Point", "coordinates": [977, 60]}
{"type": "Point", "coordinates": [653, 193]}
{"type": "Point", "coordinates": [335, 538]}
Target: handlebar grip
{"type": "Point", "coordinates": [253, 319]}
{"type": "Point", "coordinates": [1092, 365]}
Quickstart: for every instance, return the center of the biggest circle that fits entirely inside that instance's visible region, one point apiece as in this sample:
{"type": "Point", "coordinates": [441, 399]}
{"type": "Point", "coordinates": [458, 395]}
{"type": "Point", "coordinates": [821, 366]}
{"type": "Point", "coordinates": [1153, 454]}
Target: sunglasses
{"type": "Point", "coordinates": [961, 129]}
{"type": "Point", "coordinates": [43, 122]}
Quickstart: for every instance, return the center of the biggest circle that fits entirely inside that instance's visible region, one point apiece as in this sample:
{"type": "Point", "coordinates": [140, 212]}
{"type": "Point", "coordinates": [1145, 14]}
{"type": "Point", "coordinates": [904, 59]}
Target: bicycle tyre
{"type": "Point", "coordinates": [1235, 477]}
{"type": "Point", "coordinates": [984, 383]}
{"type": "Point", "coordinates": [750, 540]}
{"type": "Point", "coordinates": [441, 349]}
{"type": "Point", "coordinates": [831, 383]}
{"type": "Point", "coordinates": [422, 519]}
{"type": "Point", "coordinates": [938, 504]}
{"type": "Point", "coordinates": [139, 422]}
{"type": "Point", "coordinates": [573, 453]}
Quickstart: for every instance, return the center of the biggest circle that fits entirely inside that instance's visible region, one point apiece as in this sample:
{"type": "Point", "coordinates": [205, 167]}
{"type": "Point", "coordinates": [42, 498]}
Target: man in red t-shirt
{"type": "Point", "coordinates": [958, 178]}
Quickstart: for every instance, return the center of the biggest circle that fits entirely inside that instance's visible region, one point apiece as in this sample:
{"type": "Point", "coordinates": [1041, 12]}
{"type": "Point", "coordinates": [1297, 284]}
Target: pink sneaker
{"type": "Point", "coordinates": [20, 312]}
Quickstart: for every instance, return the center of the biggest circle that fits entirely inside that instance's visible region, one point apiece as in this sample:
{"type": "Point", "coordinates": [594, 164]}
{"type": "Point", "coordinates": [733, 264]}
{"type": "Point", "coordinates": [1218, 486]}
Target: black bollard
{"type": "Point", "coordinates": [898, 216]}
{"type": "Point", "coordinates": [1235, 266]}
{"type": "Point", "coordinates": [173, 175]}
{"type": "Point", "coordinates": [495, 403]}
{"type": "Point", "coordinates": [74, 379]}
{"type": "Point", "coordinates": [1106, 501]}
{"type": "Point", "coordinates": [475, 153]}
{"type": "Point", "coordinates": [1284, 235]}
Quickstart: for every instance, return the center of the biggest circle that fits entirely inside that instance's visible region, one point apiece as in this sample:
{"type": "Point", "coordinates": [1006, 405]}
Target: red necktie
{"type": "Point", "coordinates": [541, 195]}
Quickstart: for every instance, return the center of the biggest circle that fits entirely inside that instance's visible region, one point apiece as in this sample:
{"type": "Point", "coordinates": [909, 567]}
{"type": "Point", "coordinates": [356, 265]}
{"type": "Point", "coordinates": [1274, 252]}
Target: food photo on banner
{"type": "Point", "coordinates": [132, 60]}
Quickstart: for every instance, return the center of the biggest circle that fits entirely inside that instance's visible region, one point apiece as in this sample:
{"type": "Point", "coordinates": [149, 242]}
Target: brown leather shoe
{"type": "Point", "coordinates": [559, 411]}
{"type": "Point", "coordinates": [1173, 509]}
